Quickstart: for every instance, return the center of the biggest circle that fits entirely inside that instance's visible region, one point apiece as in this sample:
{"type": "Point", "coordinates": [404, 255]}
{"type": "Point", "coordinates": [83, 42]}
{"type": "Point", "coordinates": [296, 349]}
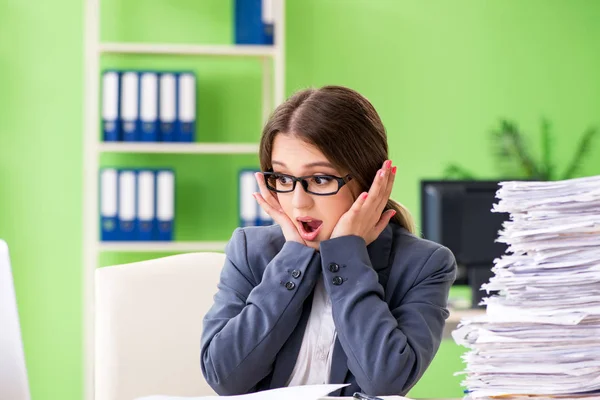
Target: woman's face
{"type": "Point", "coordinates": [314, 216]}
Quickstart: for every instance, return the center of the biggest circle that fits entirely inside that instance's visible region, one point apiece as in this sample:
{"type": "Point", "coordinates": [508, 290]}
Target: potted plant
{"type": "Point", "coordinates": [515, 160]}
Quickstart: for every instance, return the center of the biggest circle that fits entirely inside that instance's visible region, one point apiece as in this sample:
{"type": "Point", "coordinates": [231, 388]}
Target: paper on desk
{"type": "Point", "coordinates": [381, 397]}
{"type": "Point", "coordinates": [306, 392]}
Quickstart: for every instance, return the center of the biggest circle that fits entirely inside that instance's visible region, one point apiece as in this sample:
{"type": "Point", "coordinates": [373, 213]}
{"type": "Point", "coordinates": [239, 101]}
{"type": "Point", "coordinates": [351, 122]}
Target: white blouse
{"type": "Point", "coordinates": [313, 364]}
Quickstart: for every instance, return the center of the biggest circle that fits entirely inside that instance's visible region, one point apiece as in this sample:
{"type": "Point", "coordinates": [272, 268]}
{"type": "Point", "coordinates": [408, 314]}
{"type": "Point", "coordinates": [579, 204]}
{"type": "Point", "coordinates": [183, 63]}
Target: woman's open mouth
{"type": "Point", "coordinates": [309, 227]}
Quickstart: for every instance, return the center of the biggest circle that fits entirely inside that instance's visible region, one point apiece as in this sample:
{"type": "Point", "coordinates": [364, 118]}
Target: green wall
{"type": "Point", "coordinates": [41, 77]}
{"type": "Point", "coordinates": [440, 72]}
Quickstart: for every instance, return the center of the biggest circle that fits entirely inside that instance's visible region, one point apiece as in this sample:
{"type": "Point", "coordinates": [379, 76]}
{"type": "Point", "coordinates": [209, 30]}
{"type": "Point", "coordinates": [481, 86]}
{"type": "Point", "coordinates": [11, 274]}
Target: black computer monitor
{"type": "Point", "coordinates": [457, 214]}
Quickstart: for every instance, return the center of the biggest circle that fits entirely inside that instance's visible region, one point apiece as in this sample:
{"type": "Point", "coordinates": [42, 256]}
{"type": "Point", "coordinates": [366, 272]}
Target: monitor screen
{"type": "Point", "coordinates": [457, 214]}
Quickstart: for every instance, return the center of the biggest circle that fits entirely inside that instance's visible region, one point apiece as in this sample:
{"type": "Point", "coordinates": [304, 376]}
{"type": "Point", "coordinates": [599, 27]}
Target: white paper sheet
{"type": "Point", "coordinates": [306, 392]}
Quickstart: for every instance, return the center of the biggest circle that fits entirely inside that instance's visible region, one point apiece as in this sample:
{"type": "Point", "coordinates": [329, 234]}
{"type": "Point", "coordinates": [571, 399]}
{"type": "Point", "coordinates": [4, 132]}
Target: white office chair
{"type": "Point", "coordinates": [148, 326]}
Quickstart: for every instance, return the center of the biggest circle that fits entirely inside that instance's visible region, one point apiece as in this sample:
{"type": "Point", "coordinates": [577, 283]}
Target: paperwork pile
{"type": "Point", "coordinates": [540, 336]}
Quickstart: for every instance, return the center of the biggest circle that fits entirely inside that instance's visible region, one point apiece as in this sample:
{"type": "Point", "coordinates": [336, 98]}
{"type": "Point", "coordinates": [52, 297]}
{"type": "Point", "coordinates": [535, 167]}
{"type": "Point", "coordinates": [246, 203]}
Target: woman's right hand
{"type": "Point", "coordinates": [267, 200]}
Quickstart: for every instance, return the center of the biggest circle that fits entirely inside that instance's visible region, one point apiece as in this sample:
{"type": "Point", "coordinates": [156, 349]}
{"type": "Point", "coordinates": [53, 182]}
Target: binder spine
{"type": "Point", "coordinates": [268, 21]}
{"type": "Point", "coordinates": [148, 126]}
{"type": "Point", "coordinates": [264, 219]}
{"type": "Point", "coordinates": [146, 205]}
{"type": "Point", "coordinates": [127, 205]}
{"type": "Point", "coordinates": [167, 107]}
{"type": "Point", "coordinates": [165, 212]}
{"type": "Point", "coordinates": [249, 215]}
{"type": "Point", "coordinates": [109, 204]}
{"type": "Point", "coordinates": [186, 107]}
{"type": "Point", "coordinates": [111, 124]}
{"type": "Point", "coordinates": [130, 94]}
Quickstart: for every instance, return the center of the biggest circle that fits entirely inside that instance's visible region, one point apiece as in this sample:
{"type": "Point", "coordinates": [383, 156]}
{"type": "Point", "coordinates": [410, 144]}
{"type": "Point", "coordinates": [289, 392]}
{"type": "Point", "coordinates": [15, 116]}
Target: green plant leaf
{"type": "Point", "coordinates": [583, 149]}
{"type": "Point", "coordinates": [546, 168]}
{"type": "Point", "coordinates": [510, 151]}
{"type": "Point", "coordinates": [454, 171]}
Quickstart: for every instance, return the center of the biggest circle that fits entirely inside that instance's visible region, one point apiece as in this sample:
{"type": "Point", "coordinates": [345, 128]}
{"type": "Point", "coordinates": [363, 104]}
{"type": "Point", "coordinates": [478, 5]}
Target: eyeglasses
{"type": "Point", "coordinates": [320, 185]}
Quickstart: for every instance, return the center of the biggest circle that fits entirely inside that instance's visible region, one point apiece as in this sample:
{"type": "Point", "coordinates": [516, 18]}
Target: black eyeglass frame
{"type": "Point", "coordinates": [302, 179]}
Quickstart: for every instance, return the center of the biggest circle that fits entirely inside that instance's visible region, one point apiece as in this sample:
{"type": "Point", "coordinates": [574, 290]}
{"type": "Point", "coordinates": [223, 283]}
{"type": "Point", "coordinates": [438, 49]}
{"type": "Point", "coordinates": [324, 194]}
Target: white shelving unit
{"type": "Point", "coordinates": [181, 148]}
{"type": "Point", "coordinates": [189, 50]}
{"type": "Point", "coordinates": [273, 67]}
{"type": "Point", "coordinates": [148, 247]}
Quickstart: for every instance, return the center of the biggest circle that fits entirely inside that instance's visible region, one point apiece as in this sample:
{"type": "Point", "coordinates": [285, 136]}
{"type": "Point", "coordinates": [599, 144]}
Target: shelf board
{"type": "Point", "coordinates": [189, 49]}
{"type": "Point", "coordinates": [160, 247]}
{"type": "Point", "coordinates": [172, 148]}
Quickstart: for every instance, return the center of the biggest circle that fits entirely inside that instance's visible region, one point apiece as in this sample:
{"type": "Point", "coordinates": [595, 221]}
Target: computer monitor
{"type": "Point", "coordinates": [457, 214]}
{"type": "Point", "coordinates": [14, 384]}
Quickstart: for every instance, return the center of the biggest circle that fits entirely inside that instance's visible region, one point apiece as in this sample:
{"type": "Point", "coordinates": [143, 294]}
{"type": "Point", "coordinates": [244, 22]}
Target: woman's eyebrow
{"type": "Point", "coordinates": [310, 165]}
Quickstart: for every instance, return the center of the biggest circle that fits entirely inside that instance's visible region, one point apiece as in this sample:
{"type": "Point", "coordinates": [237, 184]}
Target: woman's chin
{"type": "Point", "coordinates": [313, 245]}
{"type": "Point", "coordinates": [316, 243]}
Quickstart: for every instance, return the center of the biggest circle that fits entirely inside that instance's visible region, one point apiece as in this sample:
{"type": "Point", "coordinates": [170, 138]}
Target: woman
{"type": "Point", "coordinates": [340, 290]}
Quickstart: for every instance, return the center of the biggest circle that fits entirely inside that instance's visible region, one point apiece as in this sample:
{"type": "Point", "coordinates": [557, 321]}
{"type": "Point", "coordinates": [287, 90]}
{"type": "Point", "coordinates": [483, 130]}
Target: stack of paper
{"type": "Point", "coordinates": [540, 336]}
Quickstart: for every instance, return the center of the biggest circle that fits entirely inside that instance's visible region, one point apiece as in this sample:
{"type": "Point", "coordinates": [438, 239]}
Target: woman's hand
{"type": "Point", "coordinates": [366, 217]}
{"type": "Point", "coordinates": [271, 205]}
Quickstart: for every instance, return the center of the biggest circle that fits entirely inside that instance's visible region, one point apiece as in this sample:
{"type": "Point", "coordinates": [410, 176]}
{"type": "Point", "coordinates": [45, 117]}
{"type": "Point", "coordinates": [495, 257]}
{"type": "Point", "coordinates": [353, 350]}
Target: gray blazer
{"type": "Point", "coordinates": [388, 304]}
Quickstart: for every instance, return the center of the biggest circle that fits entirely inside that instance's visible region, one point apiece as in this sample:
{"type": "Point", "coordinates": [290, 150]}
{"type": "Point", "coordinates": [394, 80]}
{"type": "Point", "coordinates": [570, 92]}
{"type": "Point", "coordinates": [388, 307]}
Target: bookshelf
{"type": "Point", "coordinates": [273, 73]}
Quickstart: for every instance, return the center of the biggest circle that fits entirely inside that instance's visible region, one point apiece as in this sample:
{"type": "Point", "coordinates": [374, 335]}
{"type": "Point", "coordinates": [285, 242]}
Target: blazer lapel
{"type": "Point", "coordinates": [339, 367]}
{"type": "Point", "coordinates": [379, 251]}
{"type": "Point", "coordinates": [287, 356]}
{"type": "Point", "coordinates": [379, 254]}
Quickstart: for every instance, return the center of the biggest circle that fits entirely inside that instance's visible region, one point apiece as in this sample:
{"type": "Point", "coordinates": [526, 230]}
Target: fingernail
{"type": "Point", "coordinates": [364, 196]}
{"type": "Point", "coordinates": [254, 194]}
{"type": "Point", "coordinates": [394, 170]}
{"type": "Point", "coordinates": [393, 213]}
{"type": "Point", "coordinates": [381, 173]}
{"type": "Point", "coordinates": [388, 164]}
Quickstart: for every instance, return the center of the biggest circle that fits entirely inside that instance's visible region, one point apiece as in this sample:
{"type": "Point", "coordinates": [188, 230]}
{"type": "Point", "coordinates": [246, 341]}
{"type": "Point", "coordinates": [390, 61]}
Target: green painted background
{"type": "Point", "coordinates": [440, 73]}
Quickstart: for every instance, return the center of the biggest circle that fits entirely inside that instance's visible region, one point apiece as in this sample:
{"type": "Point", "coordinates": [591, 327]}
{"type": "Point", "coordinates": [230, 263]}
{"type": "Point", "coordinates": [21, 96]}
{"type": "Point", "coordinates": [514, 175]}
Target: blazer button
{"type": "Point", "coordinates": [333, 267]}
{"type": "Point", "coordinates": [290, 285]}
{"type": "Point", "coordinates": [296, 274]}
{"type": "Point", "coordinates": [337, 280]}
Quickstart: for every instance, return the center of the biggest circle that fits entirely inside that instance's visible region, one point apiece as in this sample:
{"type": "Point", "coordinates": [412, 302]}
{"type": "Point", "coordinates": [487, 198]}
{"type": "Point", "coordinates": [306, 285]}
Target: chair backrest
{"type": "Point", "coordinates": [148, 325]}
{"type": "Point", "coordinates": [14, 383]}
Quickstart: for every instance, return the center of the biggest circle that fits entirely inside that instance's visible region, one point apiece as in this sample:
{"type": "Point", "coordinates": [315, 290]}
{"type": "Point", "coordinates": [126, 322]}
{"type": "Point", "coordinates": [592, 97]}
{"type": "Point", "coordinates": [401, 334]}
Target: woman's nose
{"type": "Point", "coordinates": [301, 199]}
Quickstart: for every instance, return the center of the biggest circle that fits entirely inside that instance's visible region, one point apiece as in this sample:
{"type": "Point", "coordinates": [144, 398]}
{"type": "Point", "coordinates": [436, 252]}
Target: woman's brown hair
{"type": "Point", "coordinates": [344, 126]}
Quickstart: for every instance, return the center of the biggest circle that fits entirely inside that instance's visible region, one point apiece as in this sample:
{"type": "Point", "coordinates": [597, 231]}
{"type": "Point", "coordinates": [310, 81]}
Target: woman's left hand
{"type": "Point", "coordinates": [366, 217]}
